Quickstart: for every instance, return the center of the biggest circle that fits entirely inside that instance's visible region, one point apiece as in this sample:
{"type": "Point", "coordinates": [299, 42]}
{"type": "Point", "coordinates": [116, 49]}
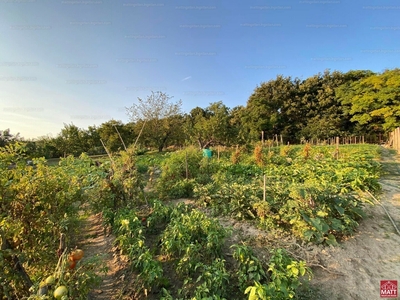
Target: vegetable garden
{"type": "Point", "coordinates": [314, 194]}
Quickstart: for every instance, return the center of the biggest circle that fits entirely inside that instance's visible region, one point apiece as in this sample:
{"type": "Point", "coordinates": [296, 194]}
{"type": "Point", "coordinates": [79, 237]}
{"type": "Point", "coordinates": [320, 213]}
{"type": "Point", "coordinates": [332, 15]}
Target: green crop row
{"type": "Point", "coordinates": [192, 243]}
{"type": "Point", "coordinates": [317, 200]}
{"type": "Point", "coordinates": [38, 203]}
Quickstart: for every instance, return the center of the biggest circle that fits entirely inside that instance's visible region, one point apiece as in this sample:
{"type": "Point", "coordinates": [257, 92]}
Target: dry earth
{"type": "Point", "coordinates": [352, 270]}
{"type": "Point", "coordinates": [99, 243]}
{"type": "Point", "coordinates": [373, 253]}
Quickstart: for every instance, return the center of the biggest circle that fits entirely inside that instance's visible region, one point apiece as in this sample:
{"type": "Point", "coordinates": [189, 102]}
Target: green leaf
{"type": "Point", "coordinates": [339, 209]}
{"type": "Point", "coordinates": [322, 214]}
{"type": "Point", "coordinates": [308, 235]}
{"type": "Point", "coordinates": [331, 240]}
{"type": "Point", "coordinates": [295, 271]}
{"type": "Point", "coordinates": [253, 295]}
{"type": "Point", "coordinates": [316, 223]}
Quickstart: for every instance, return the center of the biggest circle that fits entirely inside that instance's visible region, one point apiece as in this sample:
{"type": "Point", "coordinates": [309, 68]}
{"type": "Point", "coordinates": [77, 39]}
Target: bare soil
{"type": "Point", "coordinates": [98, 242]}
{"type": "Point", "coordinates": [373, 253]}
{"type": "Point", "coordinates": [352, 270]}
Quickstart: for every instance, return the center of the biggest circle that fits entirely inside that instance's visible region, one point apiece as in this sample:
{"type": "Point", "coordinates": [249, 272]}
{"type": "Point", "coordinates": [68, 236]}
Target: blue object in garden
{"type": "Point", "coordinates": [207, 153]}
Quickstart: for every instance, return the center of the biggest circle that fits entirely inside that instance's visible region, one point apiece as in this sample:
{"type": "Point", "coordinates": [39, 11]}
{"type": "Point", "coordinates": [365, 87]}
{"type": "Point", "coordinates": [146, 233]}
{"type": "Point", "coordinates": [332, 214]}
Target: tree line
{"type": "Point", "coordinates": [328, 104]}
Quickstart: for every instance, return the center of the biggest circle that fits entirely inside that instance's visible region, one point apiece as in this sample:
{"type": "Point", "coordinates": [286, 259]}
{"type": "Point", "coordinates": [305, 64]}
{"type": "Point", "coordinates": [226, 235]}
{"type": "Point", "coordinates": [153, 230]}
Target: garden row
{"type": "Point", "coordinates": [317, 194]}
{"type": "Point", "coordinates": [177, 252]}
{"type": "Point", "coordinates": [314, 193]}
{"type": "Point", "coordinates": [39, 226]}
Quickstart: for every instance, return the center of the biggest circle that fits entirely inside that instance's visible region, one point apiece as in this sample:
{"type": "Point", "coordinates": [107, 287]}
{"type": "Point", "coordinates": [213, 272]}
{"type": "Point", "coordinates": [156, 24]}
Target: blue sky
{"type": "Point", "coordinates": [82, 62]}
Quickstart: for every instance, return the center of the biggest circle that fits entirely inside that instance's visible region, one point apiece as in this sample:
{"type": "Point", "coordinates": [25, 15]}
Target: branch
{"type": "Point", "coordinates": [109, 155]}
{"type": "Point", "coordinates": [140, 133]}
{"type": "Point", "coordinates": [120, 137]}
{"type": "Point", "coordinates": [387, 213]}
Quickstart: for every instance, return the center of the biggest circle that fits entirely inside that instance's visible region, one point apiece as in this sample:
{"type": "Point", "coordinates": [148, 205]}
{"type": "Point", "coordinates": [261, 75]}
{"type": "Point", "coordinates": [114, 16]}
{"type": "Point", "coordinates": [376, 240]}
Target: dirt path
{"type": "Point", "coordinates": [351, 271]}
{"type": "Point", "coordinates": [97, 243]}
{"type": "Point", "coordinates": [371, 255]}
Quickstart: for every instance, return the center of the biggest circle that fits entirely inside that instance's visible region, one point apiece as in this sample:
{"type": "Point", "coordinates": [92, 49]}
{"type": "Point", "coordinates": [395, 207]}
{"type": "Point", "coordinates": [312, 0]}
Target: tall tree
{"type": "Point", "coordinates": [239, 133]}
{"type": "Point", "coordinates": [6, 137]}
{"type": "Point", "coordinates": [159, 116]}
{"type": "Point", "coordinates": [70, 140]}
{"type": "Point", "coordinates": [264, 107]}
{"type": "Point", "coordinates": [45, 146]}
{"type": "Point", "coordinates": [321, 114]}
{"type": "Point", "coordinates": [210, 126]}
{"type": "Point", "coordinates": [108, 133]}
{"type": "Point", "coordinates": [92, 138]}
{"type": "Point", "coordinates": [374, 101]}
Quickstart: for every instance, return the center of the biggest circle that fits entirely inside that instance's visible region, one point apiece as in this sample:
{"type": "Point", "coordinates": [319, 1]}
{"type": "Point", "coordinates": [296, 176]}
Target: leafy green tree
{"type": "Point", "coordinates": [264, 107]}
{"type": "Point", "coordinates": [177, 136]}
{"type": "Point", "coordinates": [92, 138]}
{"type": "Point", "coordinates": [300, 108]}
{"type": "Point", "coordinates": [44, 146]}
{"type": "Point", "coordinates": [6, 137]}
{"type": "Point", "coordinates": [159, 116]}
{"type": "Point", "coordinates": [71, 140]}
{"type": "Point", "coordinates": [210, 125]}
{"type": "Point", "coordinates": [174, 135]}
{"type": "Point", "coordinates": [373, 101]}
{"type": "Point", "coordinates": [108, 133]}
{"type": "Point", "coordinates": [239, 132]}
{"type": "Point", "coordinates": [321, 114]}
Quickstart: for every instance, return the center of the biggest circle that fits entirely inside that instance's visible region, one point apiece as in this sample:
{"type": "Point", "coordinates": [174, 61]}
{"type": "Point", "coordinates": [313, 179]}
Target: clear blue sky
{"type": "Point", "coordinates": [82, 62]}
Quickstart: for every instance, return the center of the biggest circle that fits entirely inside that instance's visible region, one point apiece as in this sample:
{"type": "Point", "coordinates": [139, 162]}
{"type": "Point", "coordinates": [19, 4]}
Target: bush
{"type": "Point", "coordinates": [180, 170]}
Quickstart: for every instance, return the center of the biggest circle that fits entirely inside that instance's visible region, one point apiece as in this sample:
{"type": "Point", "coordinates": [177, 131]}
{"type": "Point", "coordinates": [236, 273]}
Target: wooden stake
{"type": "Point", "coordinates": [186, 164]}
{"type": "Point", "coordinates": [264, 189]}
{"type": "Point", "coordinates": [108, 153]}
{"type": "Point", "coordinates": [337, 147]}
{"type": "Point", "coordinates": [120, 137]}
{"type": "Point", "coordinates": [140, 133]}
{"type": "Point", "coordinates": [262, 138]}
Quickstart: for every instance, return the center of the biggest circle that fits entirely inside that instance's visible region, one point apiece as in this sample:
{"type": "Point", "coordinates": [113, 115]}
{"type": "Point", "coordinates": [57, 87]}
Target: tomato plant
{"type": "Point", "coordinates": [38, 203]}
